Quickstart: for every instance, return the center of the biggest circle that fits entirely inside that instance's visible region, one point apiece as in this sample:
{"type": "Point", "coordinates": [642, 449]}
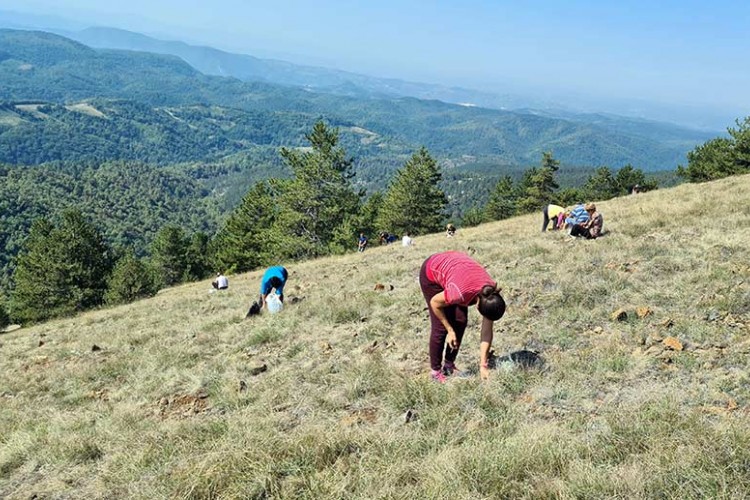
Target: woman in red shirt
{"type": "Point", "coordinates": [450, 282]}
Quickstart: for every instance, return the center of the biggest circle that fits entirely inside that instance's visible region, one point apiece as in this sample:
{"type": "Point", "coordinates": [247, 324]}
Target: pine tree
{"type": "Point", "coordinates": [346, 234]}
{"type": "Point", "coordinates": [628, 177]}
{"type": "Point", "coordinates": [247, 239]}
{"type": "Point", "coordinates": [414, 202]}
{"type": "Point", "coordinates": [503, 199]}
{"type": "Point", "coordinates": [539, 185]}
{"type": "Point", "coordinates": [169, 255]}
{"type": "Point", "coordinates": [61, 270]}
{"type": "Point", "coordinates": [720, 157]}
{"type": "Point", "coordinates": [197, 257]}
{"type": "Point", "coordinates": [473, 217]}
{"type": "Point", "coordinates": [315, 203]}
{"type": "Point", "coordinates": [601, 185]}
{"type": "Point", "coordinates": [4, 316]}
{"type": "Point", "coordinates": [131, 279]}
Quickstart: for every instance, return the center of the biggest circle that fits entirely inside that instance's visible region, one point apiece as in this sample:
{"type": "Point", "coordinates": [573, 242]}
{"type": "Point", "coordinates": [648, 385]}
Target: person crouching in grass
{"type": "Point", "coordinates": [592, 228]}
{"type": "Point", "coordinates": [451, 282]}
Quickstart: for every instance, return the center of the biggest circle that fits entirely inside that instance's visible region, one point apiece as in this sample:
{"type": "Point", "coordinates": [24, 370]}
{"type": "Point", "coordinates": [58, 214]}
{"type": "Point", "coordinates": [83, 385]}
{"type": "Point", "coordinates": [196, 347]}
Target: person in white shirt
{"type": "Point", "coordinates": [221, 282]}
{"type": "Point", "coordinates": [406, 240]}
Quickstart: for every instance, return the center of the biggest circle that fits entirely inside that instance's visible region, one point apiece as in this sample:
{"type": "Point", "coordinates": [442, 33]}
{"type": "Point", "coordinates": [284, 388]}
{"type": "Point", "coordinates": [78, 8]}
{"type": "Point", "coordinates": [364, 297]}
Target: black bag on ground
{"type": "Point", "coordinates": [254, 309]}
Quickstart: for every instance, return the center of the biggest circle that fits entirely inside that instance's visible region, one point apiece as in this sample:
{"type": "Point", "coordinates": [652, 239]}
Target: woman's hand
{"type": "Point", "coordinates": [451, 339]}
{"type": "Point", "coordinates": [484, 372]}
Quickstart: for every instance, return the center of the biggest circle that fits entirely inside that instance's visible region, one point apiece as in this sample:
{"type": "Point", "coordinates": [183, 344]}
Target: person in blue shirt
{"type": "Point", "coordinates": [274, 279]}
{"type": "Point", "coordinates": [362, 242]}
{"type": "Point", "coordinates": [578, 215]}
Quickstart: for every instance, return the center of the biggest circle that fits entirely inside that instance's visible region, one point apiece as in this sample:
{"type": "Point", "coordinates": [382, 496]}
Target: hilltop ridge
{"type": "Point", "coordinates": [38, 66]}
{"type": "Point", "coordinates": [177, 395]}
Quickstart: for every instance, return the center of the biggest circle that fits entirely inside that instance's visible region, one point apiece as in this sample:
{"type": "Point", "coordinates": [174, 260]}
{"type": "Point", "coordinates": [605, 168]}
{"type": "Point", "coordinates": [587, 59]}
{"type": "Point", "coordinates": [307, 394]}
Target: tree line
{"type": "Point", "coordinates": [66, 264]}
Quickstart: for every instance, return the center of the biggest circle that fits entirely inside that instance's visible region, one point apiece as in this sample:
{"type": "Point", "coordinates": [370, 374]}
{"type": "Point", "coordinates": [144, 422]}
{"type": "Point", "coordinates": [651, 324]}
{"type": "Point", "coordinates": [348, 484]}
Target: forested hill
{"type": "Point", "coordinates": [37, 66]}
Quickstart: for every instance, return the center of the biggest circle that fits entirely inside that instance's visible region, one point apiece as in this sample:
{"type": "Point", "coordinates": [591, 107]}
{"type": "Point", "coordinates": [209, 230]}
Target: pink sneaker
{"type": "Point", "coordinates": [437, 376]}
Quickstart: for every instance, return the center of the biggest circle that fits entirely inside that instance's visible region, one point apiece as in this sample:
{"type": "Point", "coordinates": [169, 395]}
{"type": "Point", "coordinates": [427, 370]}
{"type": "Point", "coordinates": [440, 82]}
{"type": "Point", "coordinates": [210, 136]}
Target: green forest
{"type": "Point", "coordinates": [172, 175]}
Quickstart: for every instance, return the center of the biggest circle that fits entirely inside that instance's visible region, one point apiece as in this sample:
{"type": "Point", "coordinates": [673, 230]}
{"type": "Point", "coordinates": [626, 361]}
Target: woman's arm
{"type": "Point", "coordinates": [484, 347]}
{"type": "Point", "coordinates": [437, 304]}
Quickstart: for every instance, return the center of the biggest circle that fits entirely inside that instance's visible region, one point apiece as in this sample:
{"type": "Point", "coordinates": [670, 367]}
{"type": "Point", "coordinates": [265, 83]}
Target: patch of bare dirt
{"type": "Point", "coordinates": [183, 405]}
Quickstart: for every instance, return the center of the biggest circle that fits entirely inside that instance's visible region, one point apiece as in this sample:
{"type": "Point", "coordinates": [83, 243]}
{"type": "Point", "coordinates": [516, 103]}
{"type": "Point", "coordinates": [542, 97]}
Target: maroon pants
{"type": "Point", "coordinates": [457, 317]}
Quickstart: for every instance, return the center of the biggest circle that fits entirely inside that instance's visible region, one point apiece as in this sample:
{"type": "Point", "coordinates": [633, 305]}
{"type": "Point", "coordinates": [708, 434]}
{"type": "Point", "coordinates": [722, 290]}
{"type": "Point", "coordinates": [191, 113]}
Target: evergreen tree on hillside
{"type": "Point", "coordinates": [131, 279]}
{"type": "Point", "coordinates": [414, 201]}
{"type": "Point", "coordinates": [720, 157]}
{"type": "Point", "coordinates": [539, 185]}
{"type": "Point", "coordinates": [4, 316]}
{"type": "Point", "coordinates": [169, 255]}
{"type": "Point", "coordinates": [601, 185]}
{"type": "Point", "coordinates": [61, 270]}
{"type": "Point", "coordinates": [317, 201]}
{"type": "Point", "coordinates": [197, 257]}
{"type": "Point", "coordinates": [345, 236]}
{"type": "Point", "coordinates": [245, 241]}
{"type": "Point", "coordinates": [628, 177]}
{"type": "Point", "coordinates": [473, 217]}
{"type": "Point", "coordinates": [503, 199]}
{"type": "Point", "coordinates": [370, 212]}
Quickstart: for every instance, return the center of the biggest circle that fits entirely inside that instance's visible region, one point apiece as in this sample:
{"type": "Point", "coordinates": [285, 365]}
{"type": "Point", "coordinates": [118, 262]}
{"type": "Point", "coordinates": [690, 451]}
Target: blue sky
{"type": "Point", "coordinates": [668, 52]}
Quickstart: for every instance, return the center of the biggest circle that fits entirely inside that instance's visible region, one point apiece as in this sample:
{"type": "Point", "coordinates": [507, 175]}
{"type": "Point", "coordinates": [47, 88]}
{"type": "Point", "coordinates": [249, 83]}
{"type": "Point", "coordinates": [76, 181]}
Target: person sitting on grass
{"type": "Point", "coordinates": [274, 280]}
{"type": "Point", "coordinates": [578, 215]}
{"type": "Point", "coordinates": [361, 242]}
{"type": "Point", "coordinates": [387, 238]}
{"type": "Point", "coordinates": [592, 228]}
{"type": "Point", "coordinates": [451, 282]}
{"type": "Point", "coordinates": [221, 282]}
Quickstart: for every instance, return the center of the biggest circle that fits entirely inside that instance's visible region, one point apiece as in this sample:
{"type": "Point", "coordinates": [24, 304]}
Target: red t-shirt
{"type": "Point", "coordinates": [461, 277]}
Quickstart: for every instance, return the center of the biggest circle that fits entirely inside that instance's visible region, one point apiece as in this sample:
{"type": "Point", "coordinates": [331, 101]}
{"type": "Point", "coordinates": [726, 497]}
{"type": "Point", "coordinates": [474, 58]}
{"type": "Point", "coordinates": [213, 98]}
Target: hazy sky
{"type": "Point", "coordinates": [686, 51]}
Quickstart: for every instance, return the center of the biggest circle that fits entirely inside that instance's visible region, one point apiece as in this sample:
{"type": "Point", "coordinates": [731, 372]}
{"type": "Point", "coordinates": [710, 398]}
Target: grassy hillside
{"type": "Point", "coordinates": [41, 66]}
{"type": "Point", "coordinates": [169, 397]}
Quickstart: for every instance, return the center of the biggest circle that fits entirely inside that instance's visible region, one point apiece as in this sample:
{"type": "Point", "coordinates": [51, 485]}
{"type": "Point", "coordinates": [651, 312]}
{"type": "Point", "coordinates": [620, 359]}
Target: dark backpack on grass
{"type": "Point", "coordinates": [254, 309]}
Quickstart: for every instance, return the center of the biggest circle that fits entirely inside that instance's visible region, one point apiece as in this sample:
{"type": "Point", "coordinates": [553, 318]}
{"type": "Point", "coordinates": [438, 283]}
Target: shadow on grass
{"type": "Point", "coordinates": [524, 359]}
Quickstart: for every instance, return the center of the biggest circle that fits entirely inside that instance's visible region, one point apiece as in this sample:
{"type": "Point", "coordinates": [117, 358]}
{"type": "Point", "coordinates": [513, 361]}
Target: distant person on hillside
{"type": "Point", "coordinates": [273, 280]}
{"type": "Point", "coordinates": [578, 215]}
{"type": "Point", "coordinates": [636, 189]}
{"type": "Point", "coordinates": [554, 213]}
{"type": "Point", "coordinates": [387, 238]}
{"type": "Point", "coordinates": [592, 228]}
{"type": "Point", "coordinates": [450, 230]}
{"type": "Point", "coordinates": [361, 242]}
{"type": "Point", "coordinates": [451, 282]}
{"type": "Point", "coordinates": [406, 240]}
{"type": "Point", "coordinates": [221, 282]}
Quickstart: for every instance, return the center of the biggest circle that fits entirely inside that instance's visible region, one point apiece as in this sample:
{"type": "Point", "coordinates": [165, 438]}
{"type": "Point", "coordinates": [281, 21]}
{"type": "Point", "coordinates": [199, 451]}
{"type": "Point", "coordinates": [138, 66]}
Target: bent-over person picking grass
{"type": "Point", "coordinates": [451, 282]}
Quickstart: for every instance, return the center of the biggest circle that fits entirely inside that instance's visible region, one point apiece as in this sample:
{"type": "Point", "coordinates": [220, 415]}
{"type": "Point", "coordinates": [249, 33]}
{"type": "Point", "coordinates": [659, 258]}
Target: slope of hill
{"type": "Point", "coordinates": [179, 396]}
{"type": "Point", "coordinates": [41, 66]}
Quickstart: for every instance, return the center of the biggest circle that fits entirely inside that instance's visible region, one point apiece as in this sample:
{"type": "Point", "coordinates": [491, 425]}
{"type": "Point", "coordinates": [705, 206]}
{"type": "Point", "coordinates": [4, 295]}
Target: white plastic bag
{"type": "Point", "coordinates": [274, 304]}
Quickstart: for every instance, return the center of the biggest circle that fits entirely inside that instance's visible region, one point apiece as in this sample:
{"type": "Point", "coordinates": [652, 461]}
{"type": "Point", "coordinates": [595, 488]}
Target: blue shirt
{"type": "Point", "coordinates": [578, 215]}
{"type": "Point", "coordinates": [273, 272]}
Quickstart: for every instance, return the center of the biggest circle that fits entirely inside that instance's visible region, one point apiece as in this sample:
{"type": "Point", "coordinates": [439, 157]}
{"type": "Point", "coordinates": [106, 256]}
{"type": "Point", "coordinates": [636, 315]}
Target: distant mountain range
{"type": "Point", "coordinates": [216, 62]}
{"type": "Point", "coordinates": [551, 101]}
{"type": "Point", "coordinates": [38, 66]}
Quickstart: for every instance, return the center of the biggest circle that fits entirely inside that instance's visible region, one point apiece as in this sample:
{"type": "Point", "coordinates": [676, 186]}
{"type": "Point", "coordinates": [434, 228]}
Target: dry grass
{"type": "Point", "coordinates": [170, 406]}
